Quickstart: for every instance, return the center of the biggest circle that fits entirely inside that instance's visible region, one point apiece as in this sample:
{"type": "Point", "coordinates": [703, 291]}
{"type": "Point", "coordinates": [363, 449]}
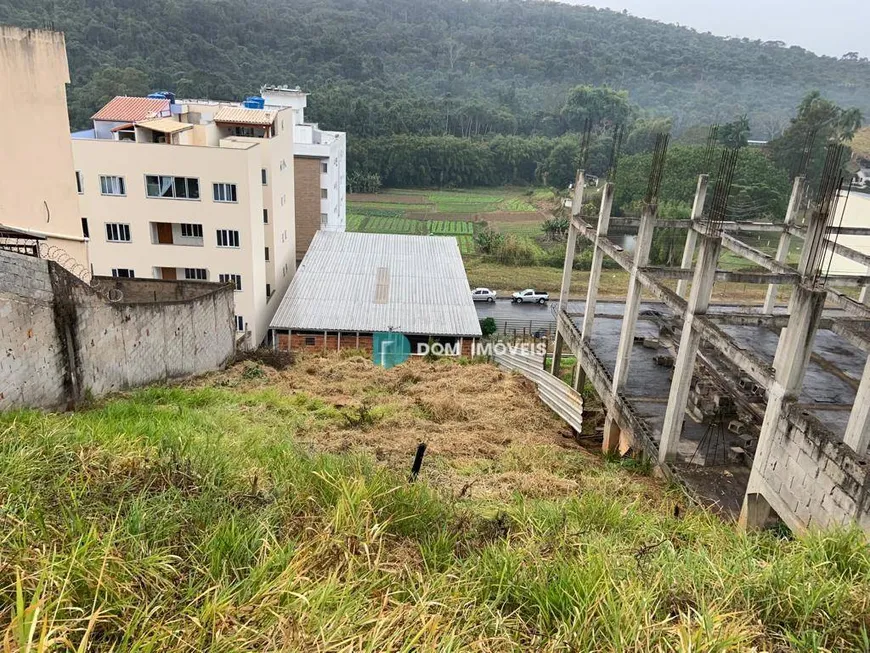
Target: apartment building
{"type": "Point", "coordinates": [37, 187]}
{"type": "Point", "coordinates": [192, 190]}
{"type": "Point", "coordinates": [320, 169]}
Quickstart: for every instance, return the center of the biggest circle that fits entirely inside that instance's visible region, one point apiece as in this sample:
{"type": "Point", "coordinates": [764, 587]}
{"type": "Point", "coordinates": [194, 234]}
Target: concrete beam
{"type": "Point", "coordinates": [735, 277]}
{"type": "Point", "coordinates": [756, 256]}
{"type": "Point", "coordinates": [850, 332]}
{"type": "Point", "coordinates": [838, 248]}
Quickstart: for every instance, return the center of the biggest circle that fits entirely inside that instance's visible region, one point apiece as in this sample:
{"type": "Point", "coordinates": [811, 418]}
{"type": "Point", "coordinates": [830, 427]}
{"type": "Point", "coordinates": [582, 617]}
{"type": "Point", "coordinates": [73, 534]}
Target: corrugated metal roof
{"type": "Point", "coordinates": [131, 109]}
{"type": "Point", "coordinates": [243, 116]}
{"type": "Point", "coordinates": [165, 125]}
{"type": "Point", "coordinates": [378, 282]}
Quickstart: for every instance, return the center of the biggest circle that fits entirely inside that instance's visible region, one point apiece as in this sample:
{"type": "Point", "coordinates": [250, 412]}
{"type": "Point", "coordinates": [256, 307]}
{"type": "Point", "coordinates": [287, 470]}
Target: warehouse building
{"type": "Point", "coordinates": [351, 286]}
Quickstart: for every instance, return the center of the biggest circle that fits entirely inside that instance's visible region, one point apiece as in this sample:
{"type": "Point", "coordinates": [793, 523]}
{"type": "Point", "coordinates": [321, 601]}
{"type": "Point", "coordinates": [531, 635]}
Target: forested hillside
{"type": "Point", "coordinates": [381, 67]}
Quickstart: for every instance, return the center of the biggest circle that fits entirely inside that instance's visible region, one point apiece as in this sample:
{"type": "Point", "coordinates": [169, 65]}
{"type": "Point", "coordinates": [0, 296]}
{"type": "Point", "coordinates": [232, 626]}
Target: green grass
{"type": "Point", "coordinates": [190, 520]}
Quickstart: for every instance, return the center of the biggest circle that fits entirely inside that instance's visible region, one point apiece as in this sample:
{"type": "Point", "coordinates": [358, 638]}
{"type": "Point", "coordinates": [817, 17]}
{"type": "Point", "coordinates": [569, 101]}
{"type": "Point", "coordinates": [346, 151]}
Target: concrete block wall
{"type": "Point", "coordinates": [31, 356]}
{"type": "Point", "coordinates": [817, 479]}
{"type": "Point", "coordinates": [61, 340]}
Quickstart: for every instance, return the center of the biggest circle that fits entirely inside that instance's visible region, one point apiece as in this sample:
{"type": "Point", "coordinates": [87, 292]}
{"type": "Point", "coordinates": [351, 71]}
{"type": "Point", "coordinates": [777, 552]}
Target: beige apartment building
{"type": "Point", "coordinates": [37, 187]}
{"type": "Point", "coordinates": [194, 190]}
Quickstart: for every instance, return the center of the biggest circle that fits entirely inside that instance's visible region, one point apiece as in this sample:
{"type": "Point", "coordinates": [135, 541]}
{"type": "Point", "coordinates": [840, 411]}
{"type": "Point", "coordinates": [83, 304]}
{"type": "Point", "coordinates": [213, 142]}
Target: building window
{"type": "Point", "coordinates": [112, 185]}
{"type": "Point", "coordinates": [265, 216]}
{"type": "Point", "coordinates": [117, 232]}
{"type": "Point", "coordinates": [235, 279]}
{"type": "Point", "coordinates": [324, 167]}
{"type": "Point", "coordinates": [263, 176]}
{"type": "Point", "coordinates": [324, 193]}
{"type": "Point", "coordinates": [240, 324]}
{"type": "Point", "coordinates": [80, 183]}
{"type": "Point", "coordinates": [310, 341]}
{"type": "Point", "coordinates": [267, 253]}
{"type": "Point", "coordinates": [227, 238]}
{"type": "Point", "coordinates": [86, 231]}
{"type": "Point", "coordinates": [123, 273]}
{"type": "Point", "coordinates": [324, 219]}
{"type": "Point", "coordinates": [268, 290]}
{"type": "Point", "coordinates": [179, 188]}
{"type": "Point", "coordinates": [191, 230]}
{"type": "Point", "coordinates": [224, 193]}
{"type": "Point", "coordinates": [196, 274]}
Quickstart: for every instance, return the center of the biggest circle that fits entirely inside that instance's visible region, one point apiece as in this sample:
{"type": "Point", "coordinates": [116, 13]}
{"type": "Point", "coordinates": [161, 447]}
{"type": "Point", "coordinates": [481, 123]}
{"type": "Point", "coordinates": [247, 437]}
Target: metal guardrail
{"type": "Point", "coordinates": [563, 399]}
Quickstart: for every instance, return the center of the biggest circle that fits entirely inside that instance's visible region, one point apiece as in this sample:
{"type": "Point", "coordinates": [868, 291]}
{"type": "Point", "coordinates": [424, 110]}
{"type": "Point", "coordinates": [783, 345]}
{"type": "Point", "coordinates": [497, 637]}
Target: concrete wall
{"type": "Point", "coordinates": [37, 180]}
{"type": "Point", "coordinates": [814, 480]}
{"type": "Point", "coordinates": [60, 339]}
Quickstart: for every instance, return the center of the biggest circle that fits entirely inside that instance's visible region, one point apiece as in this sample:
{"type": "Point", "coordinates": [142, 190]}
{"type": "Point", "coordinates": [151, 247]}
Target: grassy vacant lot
{"type": "Point", "coordinates": [257, 510]}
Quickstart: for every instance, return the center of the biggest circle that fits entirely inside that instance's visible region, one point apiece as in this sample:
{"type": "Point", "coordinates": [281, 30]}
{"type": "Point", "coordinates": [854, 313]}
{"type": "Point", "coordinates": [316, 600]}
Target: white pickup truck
{"type": "Point", "coordinates": [530, 296]}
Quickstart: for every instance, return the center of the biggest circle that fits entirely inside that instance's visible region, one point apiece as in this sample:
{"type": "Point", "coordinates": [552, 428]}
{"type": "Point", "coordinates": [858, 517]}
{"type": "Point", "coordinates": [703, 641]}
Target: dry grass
{"type": "Point", "coordinates": [487, 433]}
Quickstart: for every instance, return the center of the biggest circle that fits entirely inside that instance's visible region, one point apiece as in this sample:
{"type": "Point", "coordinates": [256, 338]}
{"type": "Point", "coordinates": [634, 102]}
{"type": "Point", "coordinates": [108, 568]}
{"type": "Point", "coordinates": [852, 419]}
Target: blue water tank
{"type": "Point", "coordinates": [254, 102]}
{"type": "Point", "coordinates": [163, 95]}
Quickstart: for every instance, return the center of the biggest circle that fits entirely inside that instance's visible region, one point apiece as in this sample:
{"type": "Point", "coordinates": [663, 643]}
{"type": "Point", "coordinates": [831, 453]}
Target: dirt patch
{"type": "Point", "coordinates": [388, 199]}
{"type": "Point", "coordinates": [487, 432]}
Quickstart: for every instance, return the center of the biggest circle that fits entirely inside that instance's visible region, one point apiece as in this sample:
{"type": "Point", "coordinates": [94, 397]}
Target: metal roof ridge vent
{"type": "Point", "coordinates": [382, 285]}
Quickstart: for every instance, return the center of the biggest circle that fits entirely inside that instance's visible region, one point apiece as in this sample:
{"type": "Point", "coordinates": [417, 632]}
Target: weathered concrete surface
{"type": "Point", "coordinates": [61, 340]}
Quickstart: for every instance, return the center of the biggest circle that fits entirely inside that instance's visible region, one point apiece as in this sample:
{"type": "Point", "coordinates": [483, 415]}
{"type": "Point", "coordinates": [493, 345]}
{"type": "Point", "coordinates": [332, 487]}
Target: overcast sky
{"type": "Point", "coordinates": [833, 27]}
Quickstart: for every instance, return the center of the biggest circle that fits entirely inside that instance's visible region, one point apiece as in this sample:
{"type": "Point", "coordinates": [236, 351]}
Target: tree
{"type": "Point", "coordinates": [488, 327]}
{"type": "Point", "coordinates": [821, 117]}
{"type": "Point", "coordinates": [602, 106]}
{"type": "Point", "coordinates": [735, 133]}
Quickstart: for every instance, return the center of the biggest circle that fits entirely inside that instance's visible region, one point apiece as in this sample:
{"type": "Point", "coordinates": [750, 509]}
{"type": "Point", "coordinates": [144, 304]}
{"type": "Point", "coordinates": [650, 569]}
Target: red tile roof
{"type": "Point", "coordinates": [131, 109]}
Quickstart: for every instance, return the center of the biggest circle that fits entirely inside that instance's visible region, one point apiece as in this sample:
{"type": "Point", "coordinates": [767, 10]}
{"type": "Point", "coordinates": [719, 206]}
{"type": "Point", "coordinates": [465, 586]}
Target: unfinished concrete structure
{"type": "Point", "coordinates": [738, 372]}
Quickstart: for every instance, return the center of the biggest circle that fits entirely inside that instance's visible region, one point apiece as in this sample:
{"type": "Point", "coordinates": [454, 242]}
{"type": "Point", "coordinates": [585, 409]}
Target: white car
{"type": "Point", "coordinates": [530, 295]}
{"type": "Point", "coordinates": [483, 295]}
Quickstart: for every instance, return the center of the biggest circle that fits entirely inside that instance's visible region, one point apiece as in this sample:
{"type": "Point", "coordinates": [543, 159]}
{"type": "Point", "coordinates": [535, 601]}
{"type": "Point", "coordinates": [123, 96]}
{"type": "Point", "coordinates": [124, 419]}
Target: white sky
{"type": "Point", "coordinates": [831, 28]}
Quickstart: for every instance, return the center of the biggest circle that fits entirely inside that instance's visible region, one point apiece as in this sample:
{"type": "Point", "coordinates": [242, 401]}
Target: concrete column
{"type": "Point", "coordinates": [782, 249]}
{"type": "Point", "coordinates": [690, 339]}
{"type": "Point", "coordinates": [858, 429]}
{"type": "Point", "coordinates": [864, 297]}
{"type": "Point", "coordinates": [568, 267]}
{"type": "Point", "coordinates": [632, 300]}
{"type": "Point", "coordinates": [790, 365]}
{"type": "Point", "coordinates": [558, 345]}
{"type": "Point", "coordinates": [691, 234]}
{"type": "Point", "coordinates": [597, 260]}
{"type": "Point", "coordinates": [611, 435]}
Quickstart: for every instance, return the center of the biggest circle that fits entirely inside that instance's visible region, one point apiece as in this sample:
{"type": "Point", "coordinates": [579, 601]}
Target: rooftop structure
{"type": "Point", "coordinates": [359, 283]}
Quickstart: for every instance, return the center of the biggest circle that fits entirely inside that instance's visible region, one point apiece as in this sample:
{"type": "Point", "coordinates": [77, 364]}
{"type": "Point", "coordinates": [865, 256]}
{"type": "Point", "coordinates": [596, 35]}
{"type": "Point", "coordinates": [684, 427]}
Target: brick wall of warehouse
{"type": "Point", "coordinates": [307, 178]}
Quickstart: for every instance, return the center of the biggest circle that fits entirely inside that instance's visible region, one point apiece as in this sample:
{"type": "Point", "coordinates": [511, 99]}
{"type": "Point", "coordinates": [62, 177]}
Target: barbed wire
{"type": "Point", "coordinates": [82, 272]}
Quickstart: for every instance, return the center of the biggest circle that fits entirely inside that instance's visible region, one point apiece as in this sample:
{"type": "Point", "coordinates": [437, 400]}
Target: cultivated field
{"type": "Point", "coordinates": [447, 213]}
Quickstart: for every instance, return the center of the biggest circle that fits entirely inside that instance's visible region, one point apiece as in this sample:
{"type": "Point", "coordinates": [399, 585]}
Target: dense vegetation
{"type": "Point", "coordinates": [382, 67]}
{"type": "Point", "coordinates": [194, 519]}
